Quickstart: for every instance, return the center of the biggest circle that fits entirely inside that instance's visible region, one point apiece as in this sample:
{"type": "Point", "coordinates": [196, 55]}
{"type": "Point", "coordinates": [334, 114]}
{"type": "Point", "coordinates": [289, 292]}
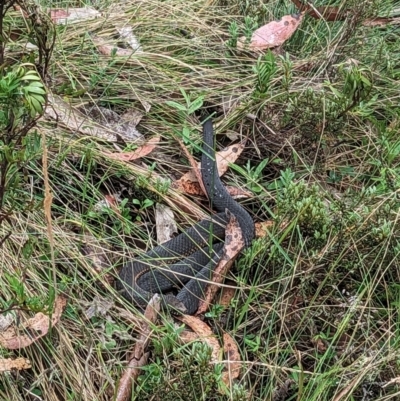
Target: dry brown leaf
{"type": "Point", "coordinates": [233, 245]}
{"type": "Point", "coordinates": [275, 33]}
{"type": "Point", "coordinates": [36, 327]}
{"type": "Point", "coordinates": [140, 152]}
{"type": "Point", "coordinates": [108, 49]}
{"type": "Point", "coordinates": [226, 294]}
{"type": "Point", "coordinates": [319, 345]}
{"type": "Point", "coordinates": [190, 182]}
{"type": "Point", "coordinates": [232, 357]}
{"type": "Point", "coordinates": [187, 187]}
{"type": "Point", "coordinates": [263, 228]}
{"type": "Point", "coordinates": [73, 15]}
{"type": "Point", "coordinates": [99, 306]}
{"type": "Point", "coordinates": [18, 363]}
{"type": "Point", "coordinates": [126, 33]}
{"type": "Point", "coordinates": [48, 200]}
{"type": "Point", "coordinates": [6, 320]}
{"type": "Point", "coordinates": [165, 223]}
{"type": "Point", "coordinates": [112, 202]}
{"type": "Point", "coordinates": [140, 354]}
{"type": "Point", "coordinates": [204, 333]}
{"type": "Point", "coordinates": [64, 113]}
{"type": "Point", "coordinates": [187, 336]}
{"type": "Point", "coordinates": [195, 172]}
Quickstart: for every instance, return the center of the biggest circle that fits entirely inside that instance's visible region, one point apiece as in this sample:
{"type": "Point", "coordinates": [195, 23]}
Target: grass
{"type": "Point", "coordinates": [315, 313]}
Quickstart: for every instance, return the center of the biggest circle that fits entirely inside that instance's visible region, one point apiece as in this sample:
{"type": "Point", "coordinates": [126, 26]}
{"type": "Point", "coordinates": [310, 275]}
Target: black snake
{"type": "Point", "coordinates": [188, 260]}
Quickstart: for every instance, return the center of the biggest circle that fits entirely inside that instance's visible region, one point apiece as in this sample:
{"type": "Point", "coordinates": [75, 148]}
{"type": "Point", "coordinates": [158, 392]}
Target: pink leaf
{"type": "Point", "coordinates": [275, 33]}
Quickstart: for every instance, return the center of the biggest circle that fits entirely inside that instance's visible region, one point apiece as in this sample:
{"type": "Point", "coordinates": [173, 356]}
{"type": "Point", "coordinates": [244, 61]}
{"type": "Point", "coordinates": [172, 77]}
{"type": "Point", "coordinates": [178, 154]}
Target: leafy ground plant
{"type": "Point", "coordinates": [315, 314]}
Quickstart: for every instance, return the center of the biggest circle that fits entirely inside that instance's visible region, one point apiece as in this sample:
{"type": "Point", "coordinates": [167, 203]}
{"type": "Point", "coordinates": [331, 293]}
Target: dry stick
{"type": "Point", "coordinates": [234, 244]}
{"type": "Point", "coordinates": [48, 200]}
{"type": "Point", "coordinates": [140, 356]}
{"type": "Point", "coordinates": [328, 13]}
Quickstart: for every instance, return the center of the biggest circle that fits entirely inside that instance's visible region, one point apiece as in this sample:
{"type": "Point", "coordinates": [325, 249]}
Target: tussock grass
{"type": "Point", "coordinates": [316, 310]}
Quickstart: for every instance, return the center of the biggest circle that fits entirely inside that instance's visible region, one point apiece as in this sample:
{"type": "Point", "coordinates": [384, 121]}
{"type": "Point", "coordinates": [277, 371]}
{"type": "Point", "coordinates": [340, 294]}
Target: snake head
{"type": "Point", "coordinates": [172, 304]}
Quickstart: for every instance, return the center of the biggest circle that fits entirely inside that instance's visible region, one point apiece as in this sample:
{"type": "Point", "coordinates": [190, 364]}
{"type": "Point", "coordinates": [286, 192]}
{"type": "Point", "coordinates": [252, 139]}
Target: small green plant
{"type": "Point", "coordinates": [162, 185]}
{"type": "Point", "coordinates": [215, 311]}
{"type": "Point", "coordinates": [304, 204]}
{"type": "Point", "coordinates": [143, 204]}
{"type": "Point", "coordinates": [253, 175]}
{"type": "Point", "coordinates": [234, 34]}
{"type": "Point", "coordinates": [265, 70]}
{"type": "Point", "coordinates": [185, 110]}
{"type": "Point", "coordinates": [253, 342]}
{"type": "Point", "coordinates": [20, 297]}
{"type": "Point", "coordinates": [250, 25]}
{"type": "Point", "coordinates": [22, 99]}
{"type": "Point", "coordinates": [353, 90]}
{"type": "Point", "coordinates": [196, 377]}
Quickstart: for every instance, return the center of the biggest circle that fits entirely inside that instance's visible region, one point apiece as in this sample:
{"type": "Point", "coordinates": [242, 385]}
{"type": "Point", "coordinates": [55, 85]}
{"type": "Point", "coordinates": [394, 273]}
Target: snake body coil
{"type": "Point", "coordinates": [189, 259]}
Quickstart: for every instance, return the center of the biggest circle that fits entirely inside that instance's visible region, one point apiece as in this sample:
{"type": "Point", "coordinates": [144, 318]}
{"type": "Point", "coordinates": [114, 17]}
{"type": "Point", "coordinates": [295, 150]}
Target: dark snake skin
{"type": "Point", "coordinates": [188, 260]}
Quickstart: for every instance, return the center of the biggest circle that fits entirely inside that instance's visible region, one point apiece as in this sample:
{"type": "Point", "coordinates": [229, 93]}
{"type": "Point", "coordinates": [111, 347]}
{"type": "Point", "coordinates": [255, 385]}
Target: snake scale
{"type": "Point", "coordinates": [188, 260]}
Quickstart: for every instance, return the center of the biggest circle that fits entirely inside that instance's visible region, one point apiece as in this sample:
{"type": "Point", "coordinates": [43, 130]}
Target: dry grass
{"type": "Point", "coordinates": [316, 309]}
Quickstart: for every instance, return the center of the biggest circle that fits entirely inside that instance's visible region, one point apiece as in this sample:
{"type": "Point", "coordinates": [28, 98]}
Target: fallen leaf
{"type": "Point", "coordinates": [204, 334]}
{"type": "Point", "coordinates": [233, 246]}
{"type": "Point", "coordinates": [36, 327]}
{"type": "Point", "coordinates": [262, 228]}
{"type": "Point", "coordinates": [165, 223]}
{"type": "Point", "coordinates": [110, 201]}
{"type": "Point", "coordinates": [275, 33]}
{"type": "Point", "coordinates": [6, 320]}
{"type": "Point", "coordinates": [188, 336]}
{"type": "Point", "coordinates": [18, 364]}
{"type": "Point", "coordinates": [188, 187]}
{"type": "Point", "coordinates": [107, 49]}
{"type": "Point", "coordinates": [140, 152]}
{"type": "Point", "coordinates": [73, 15]}
{"type": "Point", "coordinates": [190, 183]}
{"type": "Point", "coordinates": [64, 113]}
{"type": "Point", "coordinates": [232, 364]}
{"type": "Point", "coordinates": [140, 354]}
{"type": "Point", "coordinates": [226, 294]}
{"type": "Point", "coordinates": [124, 126]}
{"type": "Point", "coordinates": [126, 33]}
{"type": "Point", "coordinates": [196, 176]}
{"type": "Point", "coordinates": [319, 345]}
{"type": "Point", "coordinates": [132, 117]}
{"type": "Point", "coordinates": [98, 307]}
